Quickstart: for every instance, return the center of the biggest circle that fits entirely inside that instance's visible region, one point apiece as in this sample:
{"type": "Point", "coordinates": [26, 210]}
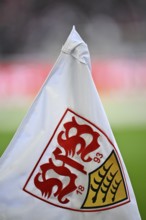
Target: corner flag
{"type": "Point", "coordinates": [63, 162]}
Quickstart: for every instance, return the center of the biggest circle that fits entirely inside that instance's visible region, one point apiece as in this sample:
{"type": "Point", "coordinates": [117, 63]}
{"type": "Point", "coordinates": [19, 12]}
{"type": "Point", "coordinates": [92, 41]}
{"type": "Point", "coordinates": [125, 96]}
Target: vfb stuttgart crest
{"type": "Point", "coordinates": [79, 169]}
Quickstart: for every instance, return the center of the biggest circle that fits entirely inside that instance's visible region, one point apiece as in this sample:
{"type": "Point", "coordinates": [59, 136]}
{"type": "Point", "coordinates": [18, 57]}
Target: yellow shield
{"type": "Point", "coordinates": [106, 185]}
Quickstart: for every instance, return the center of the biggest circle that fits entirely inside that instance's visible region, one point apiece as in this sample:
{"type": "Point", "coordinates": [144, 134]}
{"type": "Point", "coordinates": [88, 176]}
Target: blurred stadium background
{"type": "Point", "coordinates": [31, 35]}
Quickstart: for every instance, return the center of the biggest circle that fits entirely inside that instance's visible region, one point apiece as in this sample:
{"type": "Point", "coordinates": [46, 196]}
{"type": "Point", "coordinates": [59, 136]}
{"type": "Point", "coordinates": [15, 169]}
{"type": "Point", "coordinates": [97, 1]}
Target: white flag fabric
{"type": "Point", "coordinates": [63, 162]}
